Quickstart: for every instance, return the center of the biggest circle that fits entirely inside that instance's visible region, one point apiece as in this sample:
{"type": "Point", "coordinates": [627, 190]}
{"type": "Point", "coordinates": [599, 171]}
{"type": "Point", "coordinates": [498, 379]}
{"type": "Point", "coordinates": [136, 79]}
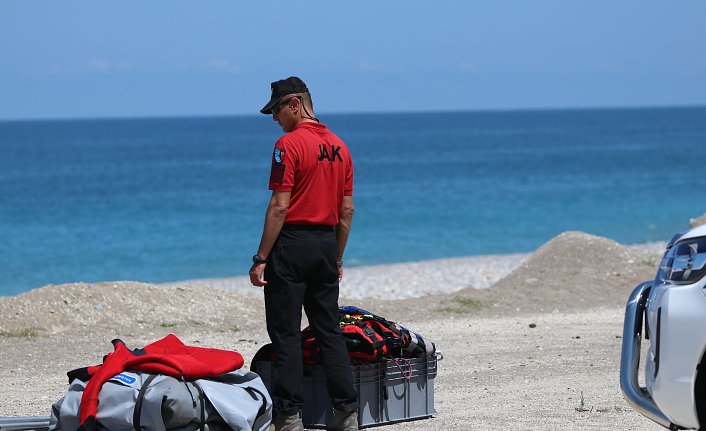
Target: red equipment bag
{"type": "Point", "coordinates": [369, 338]}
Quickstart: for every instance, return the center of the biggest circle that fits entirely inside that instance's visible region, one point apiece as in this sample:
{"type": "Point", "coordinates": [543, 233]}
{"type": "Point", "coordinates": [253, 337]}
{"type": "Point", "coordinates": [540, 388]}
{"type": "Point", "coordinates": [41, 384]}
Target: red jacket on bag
{"type": "Point", "coordinates": [168, 356]}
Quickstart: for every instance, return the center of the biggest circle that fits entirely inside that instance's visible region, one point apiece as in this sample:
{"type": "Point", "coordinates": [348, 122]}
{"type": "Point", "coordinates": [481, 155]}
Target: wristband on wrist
{"type": "Point", "coordinates": [256, 259]}
{"type": "Point", "coordinates": [339, 263]}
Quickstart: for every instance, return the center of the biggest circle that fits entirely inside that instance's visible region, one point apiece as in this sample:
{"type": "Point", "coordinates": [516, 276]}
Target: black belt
{"type": "Point", "coordinates": [309, 227]}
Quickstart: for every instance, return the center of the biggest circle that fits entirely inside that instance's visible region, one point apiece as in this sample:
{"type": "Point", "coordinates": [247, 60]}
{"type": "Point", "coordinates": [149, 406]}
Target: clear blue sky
{"type": "Point", "coordinates": [69, 59]}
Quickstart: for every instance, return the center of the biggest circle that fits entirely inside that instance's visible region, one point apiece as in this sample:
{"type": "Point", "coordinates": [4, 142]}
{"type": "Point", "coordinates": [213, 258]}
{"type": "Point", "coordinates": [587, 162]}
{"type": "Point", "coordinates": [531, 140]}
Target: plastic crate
{"type": "Point", "coordinates": [390, 391]}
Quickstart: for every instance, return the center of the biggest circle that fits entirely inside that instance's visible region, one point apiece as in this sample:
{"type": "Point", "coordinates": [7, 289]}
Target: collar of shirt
{"type": "Point", "coordinates": [311, 125]}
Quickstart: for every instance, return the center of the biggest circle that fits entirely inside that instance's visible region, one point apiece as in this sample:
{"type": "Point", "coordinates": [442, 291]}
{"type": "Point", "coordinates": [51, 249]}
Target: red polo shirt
{"type": "Point", "coordinates": [315, 165]}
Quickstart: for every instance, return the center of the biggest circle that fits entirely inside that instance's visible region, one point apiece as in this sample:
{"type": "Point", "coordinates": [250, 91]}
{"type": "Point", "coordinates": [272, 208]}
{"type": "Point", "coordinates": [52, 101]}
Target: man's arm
{"type": "Point", "coordinates": [345, 218]}
{"type": "Point", "coordinates": [274, 220]}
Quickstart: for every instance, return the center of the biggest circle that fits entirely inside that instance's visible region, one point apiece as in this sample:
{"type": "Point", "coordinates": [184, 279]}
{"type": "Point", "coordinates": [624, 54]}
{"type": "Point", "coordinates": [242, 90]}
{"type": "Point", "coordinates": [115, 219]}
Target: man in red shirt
{"type": "Point", "coordinates": [300, 255]}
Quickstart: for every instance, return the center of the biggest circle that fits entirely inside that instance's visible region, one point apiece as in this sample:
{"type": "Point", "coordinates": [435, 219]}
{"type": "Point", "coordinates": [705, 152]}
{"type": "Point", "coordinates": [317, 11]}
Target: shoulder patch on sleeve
{"type": "Point", "coordinates": [279, 155]}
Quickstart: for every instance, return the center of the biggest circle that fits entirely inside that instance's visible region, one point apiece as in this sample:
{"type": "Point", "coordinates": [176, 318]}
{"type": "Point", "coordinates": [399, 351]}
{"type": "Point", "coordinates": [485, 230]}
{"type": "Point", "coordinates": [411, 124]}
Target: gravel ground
{"type": "Point", "coordinates": [399, 280]}
{"type": "Point", "coordinates": [537, 350]}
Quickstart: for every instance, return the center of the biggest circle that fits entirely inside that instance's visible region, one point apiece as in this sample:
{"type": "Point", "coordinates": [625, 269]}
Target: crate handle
{"type": "Point", "coordinates": [407, 362]}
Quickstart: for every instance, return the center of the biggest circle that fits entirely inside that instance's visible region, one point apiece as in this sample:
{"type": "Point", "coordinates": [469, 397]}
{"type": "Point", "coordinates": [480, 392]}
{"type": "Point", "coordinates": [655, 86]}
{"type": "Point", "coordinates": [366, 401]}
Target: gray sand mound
{"type": "Point", "coordinates": [572, 271]}
{"type": "Point", "coordinates": [124, 306]}
{"type": "Point", "coordinates": [698, 221]}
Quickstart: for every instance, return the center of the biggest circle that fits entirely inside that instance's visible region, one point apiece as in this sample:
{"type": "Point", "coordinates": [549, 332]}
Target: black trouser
{"type": "Point", "coordinates": [301, 270]}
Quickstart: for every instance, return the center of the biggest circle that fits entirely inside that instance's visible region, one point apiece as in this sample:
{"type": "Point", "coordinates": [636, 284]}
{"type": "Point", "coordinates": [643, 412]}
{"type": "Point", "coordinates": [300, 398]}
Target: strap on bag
{"type": "Point", "coordinates": [262, 399]}
{"type": "Point", "coordinates": [202, 399]}
{"type": "Point", "coordinates": [141, 397]}
{"type": "Point", "coordinates": [138, 403]}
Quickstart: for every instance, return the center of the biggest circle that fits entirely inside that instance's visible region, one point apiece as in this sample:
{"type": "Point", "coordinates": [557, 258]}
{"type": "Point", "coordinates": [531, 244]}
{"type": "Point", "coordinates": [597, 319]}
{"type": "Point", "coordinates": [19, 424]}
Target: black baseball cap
{"type": "Point", "coordinates": [283, 87]}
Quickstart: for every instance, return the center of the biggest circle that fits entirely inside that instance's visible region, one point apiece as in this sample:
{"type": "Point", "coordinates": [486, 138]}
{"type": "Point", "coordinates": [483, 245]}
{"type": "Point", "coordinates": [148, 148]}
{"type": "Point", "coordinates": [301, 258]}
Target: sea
{"type": "Point", "coordinates": [167, 199]}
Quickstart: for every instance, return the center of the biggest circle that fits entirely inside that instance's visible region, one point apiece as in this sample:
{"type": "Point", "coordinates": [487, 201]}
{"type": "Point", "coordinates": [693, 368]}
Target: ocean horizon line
{"type": "Point", "coordinates": [361, 113]}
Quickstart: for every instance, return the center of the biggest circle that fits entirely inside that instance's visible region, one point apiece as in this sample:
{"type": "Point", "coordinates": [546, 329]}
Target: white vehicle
{"type": "Point", "coordinates": [674, 311]}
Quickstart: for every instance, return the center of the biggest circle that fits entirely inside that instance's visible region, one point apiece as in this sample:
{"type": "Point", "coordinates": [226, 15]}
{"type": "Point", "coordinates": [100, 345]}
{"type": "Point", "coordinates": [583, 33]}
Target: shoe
{"type": "Point", "coordinates": [343, 421]}
{"type": "Point", "coordinates": [287, 423]}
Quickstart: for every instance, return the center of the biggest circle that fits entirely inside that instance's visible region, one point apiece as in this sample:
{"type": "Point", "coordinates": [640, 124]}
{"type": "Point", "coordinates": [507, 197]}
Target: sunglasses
{"type": "Point", "coordinates": [275, 109]}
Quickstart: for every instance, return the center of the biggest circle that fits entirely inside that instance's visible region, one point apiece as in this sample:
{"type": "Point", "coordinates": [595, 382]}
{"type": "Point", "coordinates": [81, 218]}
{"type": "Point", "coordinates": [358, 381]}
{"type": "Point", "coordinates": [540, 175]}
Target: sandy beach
{"type": "Point", "coordinates": [530, 341]}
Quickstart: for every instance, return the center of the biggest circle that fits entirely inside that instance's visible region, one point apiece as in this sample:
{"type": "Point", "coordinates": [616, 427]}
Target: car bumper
{"type": "Point", "coordinates": [638, 397]}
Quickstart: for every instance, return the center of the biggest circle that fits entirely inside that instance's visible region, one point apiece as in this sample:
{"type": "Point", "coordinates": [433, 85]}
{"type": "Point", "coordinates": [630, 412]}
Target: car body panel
{"type": "Point", "coordinates": [694, 233]}
{"type": "Point", "coordinates": [681, 346]}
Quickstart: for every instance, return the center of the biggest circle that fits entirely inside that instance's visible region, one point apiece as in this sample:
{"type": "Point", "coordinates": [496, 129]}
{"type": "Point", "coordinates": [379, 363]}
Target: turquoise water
{"type": "Point", "coordinates": [172, 199]}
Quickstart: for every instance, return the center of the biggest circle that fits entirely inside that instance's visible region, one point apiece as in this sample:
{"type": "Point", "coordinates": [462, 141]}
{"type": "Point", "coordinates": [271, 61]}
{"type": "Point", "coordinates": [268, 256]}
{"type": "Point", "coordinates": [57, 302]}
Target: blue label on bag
{"type": "Point", "coordinates": [124, 378]}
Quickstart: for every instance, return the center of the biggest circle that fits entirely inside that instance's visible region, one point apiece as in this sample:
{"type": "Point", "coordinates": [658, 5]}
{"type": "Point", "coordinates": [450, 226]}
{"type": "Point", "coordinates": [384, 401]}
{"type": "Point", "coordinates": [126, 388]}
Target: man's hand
{"type": "Point", "coordinates": [340, 273]}
{"type": "Point", "coordinates": [256, 274]}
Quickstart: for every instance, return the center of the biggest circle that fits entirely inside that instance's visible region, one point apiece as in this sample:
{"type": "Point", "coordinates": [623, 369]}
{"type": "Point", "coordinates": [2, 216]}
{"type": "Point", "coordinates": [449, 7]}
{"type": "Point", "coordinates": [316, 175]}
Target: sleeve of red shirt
{"type": "Point", "coordinates": [282, 170]}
